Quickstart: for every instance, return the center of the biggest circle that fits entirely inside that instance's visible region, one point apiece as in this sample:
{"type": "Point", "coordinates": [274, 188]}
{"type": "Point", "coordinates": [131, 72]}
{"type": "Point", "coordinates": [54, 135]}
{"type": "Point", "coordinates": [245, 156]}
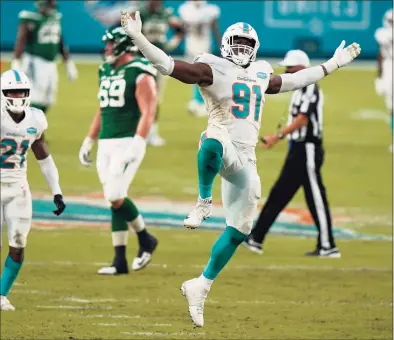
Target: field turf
{"type": "Point", "coordinates": [280, 295]}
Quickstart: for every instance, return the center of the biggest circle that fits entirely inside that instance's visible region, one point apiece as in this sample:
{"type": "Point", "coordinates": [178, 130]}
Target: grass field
{"type": "Point", "coordinates": [280, 295]}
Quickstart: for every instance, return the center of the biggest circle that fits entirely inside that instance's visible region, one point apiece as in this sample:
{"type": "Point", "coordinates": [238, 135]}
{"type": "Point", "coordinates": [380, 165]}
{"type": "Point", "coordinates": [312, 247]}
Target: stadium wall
{"type": "Point", "coordinates": [315, 26]}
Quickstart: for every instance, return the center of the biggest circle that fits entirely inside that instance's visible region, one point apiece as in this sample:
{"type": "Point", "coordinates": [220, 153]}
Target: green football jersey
{"type": "Point", "coordinates": [120, 113]}
{"type": "Point", "coordinates": [44, 34]}
{"type": "Point", "coordinates": [155, 25]}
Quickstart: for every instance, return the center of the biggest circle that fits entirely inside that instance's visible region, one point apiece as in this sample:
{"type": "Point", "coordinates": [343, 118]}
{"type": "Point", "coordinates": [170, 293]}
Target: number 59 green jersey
{"type": "Point", "coordinates": [44, 34]}
{"type": "Point", "coordinates": [120, 113]}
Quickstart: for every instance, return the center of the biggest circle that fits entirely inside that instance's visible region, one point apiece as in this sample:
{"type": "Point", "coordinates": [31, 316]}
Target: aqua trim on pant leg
{"type": "Point", "coordinates": [392, 122]}
{"type": "Point", "coordinates": [9, 275]}
{"type": "Point", "coordinates": [222, 251]}
{"type": "Point", "coordinates": [209, 160]}
{"type": "Point", "coordinates": [197, 95]}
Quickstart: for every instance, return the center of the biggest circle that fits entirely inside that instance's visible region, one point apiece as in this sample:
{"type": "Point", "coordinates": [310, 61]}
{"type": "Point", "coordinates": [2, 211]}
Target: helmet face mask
{"type": "Point", "coordinates": [240, 44]}
{"type": "Point", "coordinates": [15, 91]}
{"type": "Point", "coordinates": [117, 44]}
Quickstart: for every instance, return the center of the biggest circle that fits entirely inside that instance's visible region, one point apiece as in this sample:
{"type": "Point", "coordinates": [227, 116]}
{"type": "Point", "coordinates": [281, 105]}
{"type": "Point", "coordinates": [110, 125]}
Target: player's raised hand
{"type": "Point", "coordinates": [132, 26]}
{"type": "Point", "coordinates": [344, 55]}
{"type": "Point", "coordinates": [60, 205]}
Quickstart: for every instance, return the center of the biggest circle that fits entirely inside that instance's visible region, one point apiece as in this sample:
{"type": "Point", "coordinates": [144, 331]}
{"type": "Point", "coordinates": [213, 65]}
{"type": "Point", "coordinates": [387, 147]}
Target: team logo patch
{"type": "Point", "coordinates": [32, 130]}
{"type": "Point", "coordinates": [262, 75]}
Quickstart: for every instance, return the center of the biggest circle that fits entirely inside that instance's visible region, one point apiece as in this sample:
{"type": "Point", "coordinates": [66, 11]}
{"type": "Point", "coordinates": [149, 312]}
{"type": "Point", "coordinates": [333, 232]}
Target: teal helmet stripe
{"type": "Point", "coordinates": [17, 76]}
{"type": "Point", "coordinates": [246, 27]}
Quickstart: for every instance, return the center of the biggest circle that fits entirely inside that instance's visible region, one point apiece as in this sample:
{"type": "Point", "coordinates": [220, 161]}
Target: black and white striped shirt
{"type": "Point", "coordinates": [308, 101]}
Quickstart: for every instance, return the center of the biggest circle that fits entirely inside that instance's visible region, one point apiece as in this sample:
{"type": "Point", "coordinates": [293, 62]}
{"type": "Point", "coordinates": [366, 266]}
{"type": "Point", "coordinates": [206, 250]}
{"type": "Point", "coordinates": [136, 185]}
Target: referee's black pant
{"type": "Point", "coordinates": [302, 168]}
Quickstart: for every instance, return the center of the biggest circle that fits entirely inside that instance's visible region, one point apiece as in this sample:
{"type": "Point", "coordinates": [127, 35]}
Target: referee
{"type": "Point", "coordinates": [302, 167]}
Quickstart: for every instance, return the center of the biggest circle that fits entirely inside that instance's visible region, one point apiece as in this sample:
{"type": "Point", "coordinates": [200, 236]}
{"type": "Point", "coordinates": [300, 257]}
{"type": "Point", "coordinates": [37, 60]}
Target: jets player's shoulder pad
{"type": "Point", "coordinates": [39, 119]}
{"type": "Point", "coordinates": [142, 65]}
{"type": "Point", "coordinates": [29, 16]}
{"type": "Point", "coordinates": [264, 66]}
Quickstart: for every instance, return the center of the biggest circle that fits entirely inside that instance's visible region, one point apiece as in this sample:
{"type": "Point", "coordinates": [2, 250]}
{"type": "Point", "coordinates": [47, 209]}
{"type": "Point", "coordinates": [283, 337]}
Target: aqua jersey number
{"type": "Point", "coordinates": [242, 98]}
{"type": "Point", "coordinates": [10, 148]}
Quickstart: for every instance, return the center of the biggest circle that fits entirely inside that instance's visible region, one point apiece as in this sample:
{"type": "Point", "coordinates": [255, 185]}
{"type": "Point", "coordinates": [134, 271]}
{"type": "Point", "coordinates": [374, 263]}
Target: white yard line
{"type": "Point", "coordinates": [237, 267]}
{"type": "Point", "coordinates": [74, 307]}
{"type": "Point", "coordinates": [133, 324]}
{"type": "Point", "coordinates": [191, 334]}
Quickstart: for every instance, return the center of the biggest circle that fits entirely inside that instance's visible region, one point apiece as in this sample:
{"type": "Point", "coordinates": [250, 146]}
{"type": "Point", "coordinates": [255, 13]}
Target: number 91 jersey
{"type": "Point", "coordinates": [16, 140]}
{"type": "Point", "coordinates": [235, 99]}
{"type": "Point", "coordinates": [120, 113]}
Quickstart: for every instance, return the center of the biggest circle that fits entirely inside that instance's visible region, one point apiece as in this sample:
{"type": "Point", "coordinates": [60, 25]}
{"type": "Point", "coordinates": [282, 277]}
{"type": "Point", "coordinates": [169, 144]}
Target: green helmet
{"type": "Point", "coordinates": [122, 43]}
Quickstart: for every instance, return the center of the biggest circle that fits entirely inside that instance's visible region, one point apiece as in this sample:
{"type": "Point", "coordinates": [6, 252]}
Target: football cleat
{"type": "Point", "coordinates": [325, 253]}
{"type": "Point", "coordinates": [144, 255]}
{"type": "Point", "coordinates": [196, 294]}
{"type": "Point", "coordinates": [201, 212]}
{"type": "Point", "coordinates": [5, 304]}
{"type": "Point", "coordinates": [252, 245]}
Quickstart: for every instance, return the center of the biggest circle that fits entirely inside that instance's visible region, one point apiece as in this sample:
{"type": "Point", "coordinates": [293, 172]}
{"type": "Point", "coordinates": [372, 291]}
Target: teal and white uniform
{"type": "Point", "coordinates": [235, 103]}
{"type": "Point", "coordinates": [16, 140]}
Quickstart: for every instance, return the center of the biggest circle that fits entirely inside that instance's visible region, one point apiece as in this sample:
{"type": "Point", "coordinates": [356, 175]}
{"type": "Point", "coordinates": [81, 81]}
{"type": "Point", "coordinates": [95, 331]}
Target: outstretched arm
{"type": "Point", "coordinates": [50, 172]}
{"type": "Point", "coordinates": [196, 73]}
{"type": "Point", "coordinates": [290, 82]}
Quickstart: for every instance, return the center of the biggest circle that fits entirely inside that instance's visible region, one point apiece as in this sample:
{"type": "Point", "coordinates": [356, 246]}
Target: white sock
{"type": "Point", "coordinates": [206, 282]}
{"type": "Point", "coordinates": [138, 224]}
{"type": "Point", "coordinates": [120, 238]}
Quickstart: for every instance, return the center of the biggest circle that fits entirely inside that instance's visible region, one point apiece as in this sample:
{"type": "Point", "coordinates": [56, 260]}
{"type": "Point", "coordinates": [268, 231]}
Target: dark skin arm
{"type": "Point", "coordinates": [64, 50]}
{"type": "Point", "coordinates": [201, 74]}
{"type": "Point", "coordinates": [40, 149]}
{"type": "Point", "coordinates": [21, 39]}
{"type": "Point", "coordinates": [270, 141]}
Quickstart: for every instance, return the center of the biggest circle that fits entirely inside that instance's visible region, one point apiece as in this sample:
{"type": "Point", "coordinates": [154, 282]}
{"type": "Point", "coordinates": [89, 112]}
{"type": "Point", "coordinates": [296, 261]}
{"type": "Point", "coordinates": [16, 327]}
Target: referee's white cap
{"type": "Point", "coordinates": [295, 58]}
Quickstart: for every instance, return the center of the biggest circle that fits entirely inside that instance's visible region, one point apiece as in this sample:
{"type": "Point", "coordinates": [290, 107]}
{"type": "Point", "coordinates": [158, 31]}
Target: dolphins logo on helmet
{"type": "Point", "coordinates": [14, 81]}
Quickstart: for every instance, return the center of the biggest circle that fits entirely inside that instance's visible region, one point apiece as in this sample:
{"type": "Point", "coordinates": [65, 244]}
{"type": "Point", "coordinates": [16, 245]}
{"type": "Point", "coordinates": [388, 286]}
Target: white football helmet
{"type": "Point", "coordinates": [14, 80]}
{"type": "Point", "coordinates": [238, 53]}
{"type": "Point", "coordinates": [388, 19]}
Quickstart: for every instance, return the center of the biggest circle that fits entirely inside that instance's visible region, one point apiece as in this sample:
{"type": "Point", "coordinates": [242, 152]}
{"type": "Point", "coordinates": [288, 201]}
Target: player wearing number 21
{"type": "Point", "coordinates": [234, 89]}
{"type": "Point", "coordinates": [21, 129]}
{"type": "Point", "coordinates": [127, 109]}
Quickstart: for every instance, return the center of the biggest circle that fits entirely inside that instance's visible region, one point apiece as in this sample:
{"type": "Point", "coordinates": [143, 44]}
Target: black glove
{"type": "Point", "coordinates": [58, 200]}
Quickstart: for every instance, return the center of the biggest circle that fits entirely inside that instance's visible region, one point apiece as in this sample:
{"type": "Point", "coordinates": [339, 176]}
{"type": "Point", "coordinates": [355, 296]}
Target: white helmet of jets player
{"type": "Point", "coordinates": [240, 43]}
{"type": "Point", "coordinates": [15, 91]}
{"type": "Point", "coordinates": [388, 19]}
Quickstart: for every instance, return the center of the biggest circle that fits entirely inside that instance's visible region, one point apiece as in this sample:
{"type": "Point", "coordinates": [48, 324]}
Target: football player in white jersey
{"type": "Point", "coordinates": [200, 20]}
{"type": "Point", "coordinates": [233, 88]}
{"type": "Point", "coordinates": [384, 81]}
{"type": "Point", "coordinates": [21, 129]}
